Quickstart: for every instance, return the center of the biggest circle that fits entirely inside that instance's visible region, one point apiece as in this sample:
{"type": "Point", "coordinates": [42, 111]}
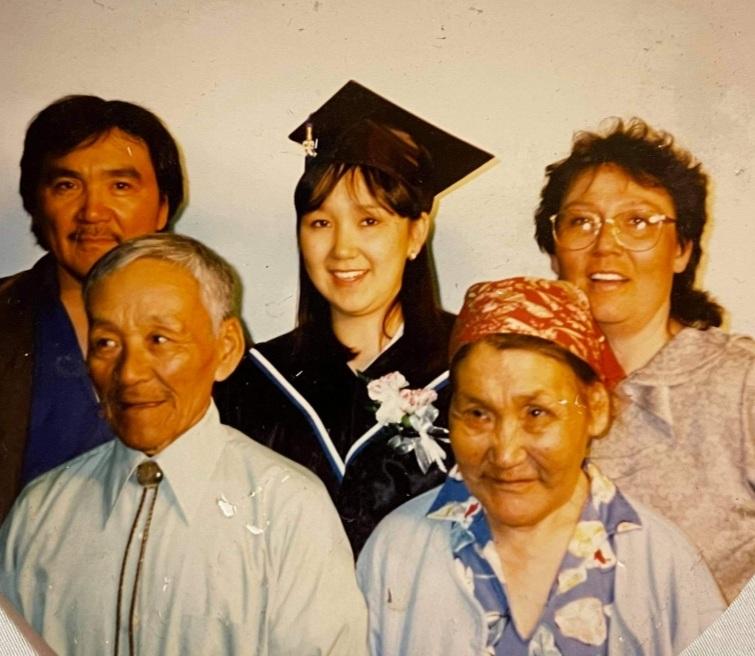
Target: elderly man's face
{"type": "Point", "coordinates": [153, 353]}
{"type": "Point", "coordinates": [94, 197]}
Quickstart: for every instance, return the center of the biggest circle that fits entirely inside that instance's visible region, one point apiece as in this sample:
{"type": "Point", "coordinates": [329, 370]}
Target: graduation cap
{"type": "Point", "coordinates": [357, 126]}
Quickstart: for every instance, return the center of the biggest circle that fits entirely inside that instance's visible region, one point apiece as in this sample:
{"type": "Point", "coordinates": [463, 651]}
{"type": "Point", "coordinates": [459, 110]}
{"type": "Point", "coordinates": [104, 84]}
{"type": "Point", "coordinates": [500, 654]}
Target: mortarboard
{"type": "Point", "coordinates": [357, 126]}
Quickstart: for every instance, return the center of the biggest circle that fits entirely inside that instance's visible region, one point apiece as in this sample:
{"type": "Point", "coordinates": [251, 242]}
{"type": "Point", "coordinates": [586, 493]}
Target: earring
{"type": "Point", "coordinates": [412, 256]}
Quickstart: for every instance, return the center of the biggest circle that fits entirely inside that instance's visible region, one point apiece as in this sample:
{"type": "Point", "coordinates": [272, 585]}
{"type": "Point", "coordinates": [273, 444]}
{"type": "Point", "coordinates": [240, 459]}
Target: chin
{"type": "Point", "coordinates": [607, 312]}
{"type": "Point", "coordinates": [83, 266]}
{"type": "Point", "coordinates": [517, 513]}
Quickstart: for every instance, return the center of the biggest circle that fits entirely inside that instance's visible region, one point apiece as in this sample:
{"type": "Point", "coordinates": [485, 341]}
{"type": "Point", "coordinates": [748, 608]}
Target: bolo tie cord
{"type": "Point", "coordinates": [149, 476]}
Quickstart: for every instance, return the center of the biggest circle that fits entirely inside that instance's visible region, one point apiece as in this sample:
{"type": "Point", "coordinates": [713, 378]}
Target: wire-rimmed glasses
{"type": "Point", "coordinates": [635, 230]}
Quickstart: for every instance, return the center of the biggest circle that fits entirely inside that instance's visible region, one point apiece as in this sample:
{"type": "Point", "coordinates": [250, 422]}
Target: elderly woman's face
{"type": "Point", "coordinates": [627, 289]}
{"type": "Point", "coordinates": [521, 422]}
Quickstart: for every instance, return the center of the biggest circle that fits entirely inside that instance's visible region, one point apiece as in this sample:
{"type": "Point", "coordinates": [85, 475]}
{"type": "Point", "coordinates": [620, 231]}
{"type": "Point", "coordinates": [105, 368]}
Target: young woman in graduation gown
{"type": "Point", "coordinates": [367, 309]}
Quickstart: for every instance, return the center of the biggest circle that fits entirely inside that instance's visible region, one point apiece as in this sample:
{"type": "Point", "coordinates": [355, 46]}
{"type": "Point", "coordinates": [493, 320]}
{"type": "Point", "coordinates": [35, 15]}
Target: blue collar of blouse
{"type": "Point", "coordinates": [456, 504]}
{"type": "Point", "coordinates": [573, 620]}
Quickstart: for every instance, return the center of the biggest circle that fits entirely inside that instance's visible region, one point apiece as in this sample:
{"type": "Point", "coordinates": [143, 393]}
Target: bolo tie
{"type": "Point", "coordinates": [148, 475]}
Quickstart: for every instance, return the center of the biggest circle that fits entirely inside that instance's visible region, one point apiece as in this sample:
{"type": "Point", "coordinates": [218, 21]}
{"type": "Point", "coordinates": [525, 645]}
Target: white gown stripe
{"type": "Point", "coordinates": [338, 465]}
{"type": "Point", "coordinates": [439, 382]}
{"type": "Point", "coordinates": [309, 412]}
{"type": "Point", "coordinates": [436, 383]}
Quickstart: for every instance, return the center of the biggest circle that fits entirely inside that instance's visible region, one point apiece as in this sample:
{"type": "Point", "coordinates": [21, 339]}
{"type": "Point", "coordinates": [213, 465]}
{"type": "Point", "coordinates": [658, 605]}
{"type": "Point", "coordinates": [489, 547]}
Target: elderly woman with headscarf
{"type": "Point", "coordinates": [528, 548]}
{"type": "Point", "coordinates": [622, 218]}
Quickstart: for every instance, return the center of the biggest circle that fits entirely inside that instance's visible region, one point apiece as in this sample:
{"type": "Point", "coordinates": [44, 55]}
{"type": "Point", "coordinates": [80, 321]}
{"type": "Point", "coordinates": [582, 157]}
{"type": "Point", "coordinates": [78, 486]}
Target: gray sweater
{"type": "Point", "coordinates": [684, 443]}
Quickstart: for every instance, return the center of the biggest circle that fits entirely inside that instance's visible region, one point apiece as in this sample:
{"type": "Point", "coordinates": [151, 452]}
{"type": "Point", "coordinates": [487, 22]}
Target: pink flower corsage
{"type": "Point", "coordinates": [412, 412]}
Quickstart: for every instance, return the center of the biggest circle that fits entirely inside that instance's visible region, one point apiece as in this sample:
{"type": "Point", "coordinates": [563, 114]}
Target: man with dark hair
{"type": "Point", "coordinates": [93, 173]}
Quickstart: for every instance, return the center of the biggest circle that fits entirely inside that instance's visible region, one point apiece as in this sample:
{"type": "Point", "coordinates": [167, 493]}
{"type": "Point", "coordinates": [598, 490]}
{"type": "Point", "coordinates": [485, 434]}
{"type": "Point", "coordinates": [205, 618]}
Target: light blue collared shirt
{"type": "Point", "coordinates": [245, 554]}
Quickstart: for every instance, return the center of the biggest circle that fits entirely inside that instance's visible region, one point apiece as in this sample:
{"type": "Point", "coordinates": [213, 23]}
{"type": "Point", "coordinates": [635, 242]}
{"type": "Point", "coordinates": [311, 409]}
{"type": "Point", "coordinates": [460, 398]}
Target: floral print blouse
{"type": "Point", "coordinates": [575, 618]}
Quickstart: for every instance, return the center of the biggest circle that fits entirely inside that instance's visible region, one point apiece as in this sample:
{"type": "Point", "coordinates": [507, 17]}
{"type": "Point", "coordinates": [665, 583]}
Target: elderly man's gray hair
{"type": "Point", "coordinates": [219, 286]}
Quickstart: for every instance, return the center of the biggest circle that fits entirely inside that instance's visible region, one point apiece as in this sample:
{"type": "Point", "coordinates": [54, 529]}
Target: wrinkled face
{"type": "Point", "coordinates": [355, 250]}
{"type": "Point", "coordinates": [627, 289]}
{"type": "Point", "coordinates": [94, 197]}
{"type": "Point", "coordinates": [153, 355]}
{"type": "Point", "coordinates": [520, 423]}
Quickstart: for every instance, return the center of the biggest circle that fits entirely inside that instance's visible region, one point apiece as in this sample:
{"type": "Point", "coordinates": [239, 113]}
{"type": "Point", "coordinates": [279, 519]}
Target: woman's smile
{"type": "Point", "coordinates": [349, 277]}
{"type": "Point", "coordinates": [627, 289]}
{"type": "Point", "coordinates": [606, 281]}
{"type": "Point", "coordinates": [355, 250]}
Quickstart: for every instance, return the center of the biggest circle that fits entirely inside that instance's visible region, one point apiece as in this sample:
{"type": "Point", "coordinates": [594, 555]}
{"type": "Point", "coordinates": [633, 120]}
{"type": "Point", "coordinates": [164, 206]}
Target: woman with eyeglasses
{"type": "Point", "coordinates": [622, 217]}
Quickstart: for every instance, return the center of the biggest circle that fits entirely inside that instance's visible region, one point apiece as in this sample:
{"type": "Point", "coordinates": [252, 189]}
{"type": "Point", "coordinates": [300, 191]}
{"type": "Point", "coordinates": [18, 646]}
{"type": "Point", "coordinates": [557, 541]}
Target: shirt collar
{"type": "Point", "coordinates": [187, 465]}
{"type": "Point", "coordinates": [689, 352]}
{"type": "Point", "coordinates": [456, 504]}
{"type": "Point", "coordinates": [47, 272]}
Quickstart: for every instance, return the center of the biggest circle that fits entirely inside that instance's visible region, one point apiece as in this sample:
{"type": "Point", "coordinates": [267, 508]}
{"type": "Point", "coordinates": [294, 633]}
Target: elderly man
{"type": "Point", "coordinates": [93, 173]}
{"type": "Point", "coordinates": [182, 536]}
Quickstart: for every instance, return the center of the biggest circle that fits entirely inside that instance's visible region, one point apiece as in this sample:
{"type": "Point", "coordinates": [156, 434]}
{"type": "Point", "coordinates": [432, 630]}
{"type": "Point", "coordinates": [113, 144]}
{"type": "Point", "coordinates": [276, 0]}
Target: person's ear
{"type": "Point", "coordinates": [419, 229]}
{"type": "Point", "coordinates": [230, 345]}
{"type": "Point", "coordinates": [162, 213]}
{"type": "Point", "coordinates": [681, 259]}
{"type": "Point", "coordinates": [554, 266]}
{"type": "Point", "coordinates": [599, 405]}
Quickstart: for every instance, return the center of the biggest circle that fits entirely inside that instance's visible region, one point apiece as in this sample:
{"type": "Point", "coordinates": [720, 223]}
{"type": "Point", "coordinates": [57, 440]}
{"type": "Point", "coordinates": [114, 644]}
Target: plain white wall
{"type": "Point", "coordinates": [232, 78]}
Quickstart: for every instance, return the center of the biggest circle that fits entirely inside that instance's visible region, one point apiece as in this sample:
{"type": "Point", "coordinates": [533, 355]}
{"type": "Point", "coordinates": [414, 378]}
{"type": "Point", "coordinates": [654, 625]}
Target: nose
{"type": "Point", "coordinates": [344, 241]}
{"type": "Point", "coordinates": [606, 241]}
{"type": "Point", "coordinates": [133, 366]}
{"type": "Point", "coordinates": [94, 207]}
{"type": "Point", "coordinates": [508, 448]}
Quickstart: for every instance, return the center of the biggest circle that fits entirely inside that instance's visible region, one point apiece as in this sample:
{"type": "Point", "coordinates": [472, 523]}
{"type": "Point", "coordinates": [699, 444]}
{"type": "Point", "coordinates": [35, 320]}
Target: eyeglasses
{"type": "Point", "coordinates": [635, 230]}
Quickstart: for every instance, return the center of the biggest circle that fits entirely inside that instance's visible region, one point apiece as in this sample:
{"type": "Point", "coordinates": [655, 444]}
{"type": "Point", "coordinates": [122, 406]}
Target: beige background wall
{"type": "Point", "coordinates": [232, 78]}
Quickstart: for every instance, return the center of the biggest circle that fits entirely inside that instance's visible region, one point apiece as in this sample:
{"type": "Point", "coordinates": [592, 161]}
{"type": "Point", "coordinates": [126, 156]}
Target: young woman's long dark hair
{"type": "Point", "coordinates": [418, 295]}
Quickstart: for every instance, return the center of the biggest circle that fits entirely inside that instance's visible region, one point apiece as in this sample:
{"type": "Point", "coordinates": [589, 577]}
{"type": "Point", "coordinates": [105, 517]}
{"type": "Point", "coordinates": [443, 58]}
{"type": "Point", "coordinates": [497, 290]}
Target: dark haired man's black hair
{"type": "Point", "coordinates": [78, 120]}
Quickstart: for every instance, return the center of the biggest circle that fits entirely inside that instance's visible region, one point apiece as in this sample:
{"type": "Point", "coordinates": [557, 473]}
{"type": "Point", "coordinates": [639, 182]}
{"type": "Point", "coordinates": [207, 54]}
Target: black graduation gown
{"type": "Point", "coordinates": [375, 478]}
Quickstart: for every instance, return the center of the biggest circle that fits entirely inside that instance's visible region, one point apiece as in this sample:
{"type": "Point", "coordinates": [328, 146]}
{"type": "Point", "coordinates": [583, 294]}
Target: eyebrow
{"type": "Point", "coordinates": [53, 172]}
{"type": "Point", "coordinates": [375, 208]}
{"type": "Point", "coordinates": [153, 322]}
{"type": "Point", "coordinates": [128, 172]}
{"type": "Point", "coordinates": [62, 172]}
{"type": "Point", "coordinates": [534, 395]}
{"type": "Point", "coordinates": [628, 205]}
{"type": "Point", "coordinates": [98, 322]}
{"type": "Point", "coordinates": [464, 398]}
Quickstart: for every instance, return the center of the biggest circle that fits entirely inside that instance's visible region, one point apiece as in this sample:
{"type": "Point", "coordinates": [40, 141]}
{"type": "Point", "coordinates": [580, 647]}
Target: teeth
{"type": "Point", "coordinates": [347, 275]}
{"type": "Point", "coordinates": [609, 277]}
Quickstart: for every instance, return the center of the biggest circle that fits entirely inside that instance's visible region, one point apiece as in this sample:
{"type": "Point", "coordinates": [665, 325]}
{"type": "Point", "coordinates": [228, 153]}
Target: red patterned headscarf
{"type": "Point", "coordinates": [550, 309]}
